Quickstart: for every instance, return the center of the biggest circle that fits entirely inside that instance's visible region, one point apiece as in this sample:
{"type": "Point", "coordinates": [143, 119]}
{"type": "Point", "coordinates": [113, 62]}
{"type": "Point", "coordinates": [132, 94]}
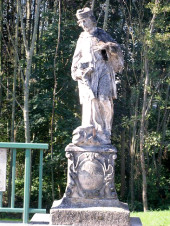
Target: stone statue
{"type": "Point", "coordinates": [90, 197]}
{"type": "Point", "coordinates": [96, 60]}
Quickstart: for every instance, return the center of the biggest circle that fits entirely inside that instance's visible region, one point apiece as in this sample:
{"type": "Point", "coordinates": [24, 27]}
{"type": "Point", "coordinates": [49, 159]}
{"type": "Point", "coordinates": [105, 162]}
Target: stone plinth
{"type": "Point", "coordinates": [90, 197]}
{"type": "Point", "coordinates": [92, 216]}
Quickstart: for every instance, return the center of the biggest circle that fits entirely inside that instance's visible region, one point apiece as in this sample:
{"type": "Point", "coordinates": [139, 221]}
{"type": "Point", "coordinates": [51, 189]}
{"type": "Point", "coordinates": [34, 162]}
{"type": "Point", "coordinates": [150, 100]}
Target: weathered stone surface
{"type": "Point", "coordinates": [91, 172]}
{"type": "Point", "coordinates": [96, 60]}
{"type": "Point", "coordinates": [66, 202]}
{"type": "Point", "coordinates": [3, 160]}
{"type": "Point", "coordinates": [90, 197]}
{"type": "Point", "coordinates": [92, 216]}
{"type": "Point", "coordinates": [134, 221]}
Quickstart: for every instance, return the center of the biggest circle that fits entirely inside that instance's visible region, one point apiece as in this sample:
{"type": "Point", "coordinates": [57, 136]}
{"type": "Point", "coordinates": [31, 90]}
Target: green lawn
{"type": "Point", "coordinates": [9, 219]}
{"type": "Point", "coordinates": [153, 218]}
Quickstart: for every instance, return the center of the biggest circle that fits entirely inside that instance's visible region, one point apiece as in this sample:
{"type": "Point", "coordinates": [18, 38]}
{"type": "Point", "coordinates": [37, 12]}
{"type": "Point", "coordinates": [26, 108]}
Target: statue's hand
{"type": "Point", "coordinates": [88, 71]}
{"type": "Point", "coordinates": [91, 70]}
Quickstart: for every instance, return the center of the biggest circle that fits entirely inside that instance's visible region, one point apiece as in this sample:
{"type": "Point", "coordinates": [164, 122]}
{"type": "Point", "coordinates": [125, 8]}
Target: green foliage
{"type": "Point", "coordinates": [151, 141]}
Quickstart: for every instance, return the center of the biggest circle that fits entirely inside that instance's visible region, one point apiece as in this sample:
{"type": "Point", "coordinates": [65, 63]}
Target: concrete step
{"type": "Point", "coordinates": [135, 221]}
{"type": "Point", "coordinates": [43, 219]}
{"type": "Point", "coordinates": [40, 218]}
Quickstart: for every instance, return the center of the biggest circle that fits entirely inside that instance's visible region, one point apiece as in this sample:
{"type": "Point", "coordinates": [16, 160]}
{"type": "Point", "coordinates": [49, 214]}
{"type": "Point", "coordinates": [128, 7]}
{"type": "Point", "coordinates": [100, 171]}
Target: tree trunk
{"type": "Point", "coordinates": [106, 15]}
{"type": "Point", "coordinates": [28, 22]}
{"type": "Point", "coordinates": [1, 18]}
{"type": "Point", "coordinates": [164, 124]}
{"type": "Point", "coordinates": [12, 138]}
{"type": "Point", "coordinates": [38, 38]}
{"type": "Point", "coordinates": [142, 128]}
{"type": "Point", "coordinates": [154, 16]}
{"type": "Point", "coordinates": [132, 153]}
{"type": "Point", "coordinates": [122, 189]}
{"type": "Point", "coordinates": [29, 55]}
{"type": "Point", "coordinates": [92, 5]}
{"type": "Point", "coordinates": [14, 79]}
{"type": "Point", "coordinates": [42, 25]}
{"type": "Point", "coordinates": [54, 95]}
{"type": "Point", "coordinates": [26, 102]}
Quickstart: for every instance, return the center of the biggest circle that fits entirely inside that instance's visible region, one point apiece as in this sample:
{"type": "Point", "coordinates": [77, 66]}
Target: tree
{"type": "Point", "coordinates": [29, 55]}
{"type": "Point", "coordinates": [106, 15]}
{"type": "Point", "coordinates": [54, 92]}
{"type": "Point", "coordinates": [0, 56]}
{"type": "Point", "coordinates": [92, 5]}
{"type": "Point", "coordinates": [142, 128]}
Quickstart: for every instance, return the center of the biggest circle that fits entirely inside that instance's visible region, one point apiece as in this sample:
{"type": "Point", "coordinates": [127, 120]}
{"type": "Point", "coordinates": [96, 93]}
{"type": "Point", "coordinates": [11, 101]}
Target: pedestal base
{"type": "Point", "coordinates": [91, 216]}
{"type": "Point", "coordinates": [90, 197]}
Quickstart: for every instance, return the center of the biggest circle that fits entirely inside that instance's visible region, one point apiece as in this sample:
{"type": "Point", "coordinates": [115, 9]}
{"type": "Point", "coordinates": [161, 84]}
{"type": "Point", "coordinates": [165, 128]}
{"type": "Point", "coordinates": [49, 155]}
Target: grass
{"type": "Point", "coordinates": [9, 219]}
{"type": "Point", "coordinates": [153, 218]}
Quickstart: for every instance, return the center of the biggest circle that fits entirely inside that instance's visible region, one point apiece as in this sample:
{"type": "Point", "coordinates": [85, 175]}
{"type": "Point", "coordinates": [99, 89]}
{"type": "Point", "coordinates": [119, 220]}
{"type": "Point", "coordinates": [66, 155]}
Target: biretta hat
{"type": "Point", "coordinates": [84, 13]}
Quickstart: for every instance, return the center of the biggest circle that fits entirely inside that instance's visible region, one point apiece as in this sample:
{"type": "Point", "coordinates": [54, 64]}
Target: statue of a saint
{"type": "Point", "coordinates": [96, 60]}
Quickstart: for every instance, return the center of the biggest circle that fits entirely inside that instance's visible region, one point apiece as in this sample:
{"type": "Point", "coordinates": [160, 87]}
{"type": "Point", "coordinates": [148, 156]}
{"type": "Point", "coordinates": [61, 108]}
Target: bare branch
{"type": "Point", "coordinates": [10, 93]}
{"type": "Point", "coordinates": [154, 17]}
{"type": "Point", "coordinates": [130, 30]}
{"type": "Point", "coordinates": [156, 88]}
{"type": "Point", "coordinates": [22, 27]}
{"type": "Point", "coordinates": [55, 77]}
{"type": "Point", "coordinates": [12, 41]}
{"type": "Point", "coordinates": [92, 5]}
{"type": "Point", "coordinates": [35, 28]}
{"type": "Point", "coordinates": [106, 15]}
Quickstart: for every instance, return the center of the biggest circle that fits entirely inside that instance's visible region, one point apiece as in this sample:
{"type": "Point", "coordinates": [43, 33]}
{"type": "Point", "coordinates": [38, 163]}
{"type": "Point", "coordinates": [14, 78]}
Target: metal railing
{"type": "Point", "coordinates": [27, 147]}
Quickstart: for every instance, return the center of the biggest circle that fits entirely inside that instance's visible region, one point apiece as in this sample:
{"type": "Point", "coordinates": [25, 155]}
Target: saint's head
{"type": "Point", "coordinates": [86, 19]}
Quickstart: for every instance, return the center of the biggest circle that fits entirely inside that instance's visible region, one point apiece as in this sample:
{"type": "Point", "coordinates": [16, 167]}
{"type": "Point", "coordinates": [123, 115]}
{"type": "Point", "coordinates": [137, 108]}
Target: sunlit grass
{"type": "Point", "coordinates": [10, 219]}
{"type": "Point", "coordinates": [153, 218]}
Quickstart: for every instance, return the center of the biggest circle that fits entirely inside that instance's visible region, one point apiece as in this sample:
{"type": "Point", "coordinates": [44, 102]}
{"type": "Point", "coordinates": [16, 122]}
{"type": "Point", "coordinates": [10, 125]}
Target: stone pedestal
{"type": "Point", "coordinates": [91, 216]}
{"type": "Point", "coordinates": [90, 197]}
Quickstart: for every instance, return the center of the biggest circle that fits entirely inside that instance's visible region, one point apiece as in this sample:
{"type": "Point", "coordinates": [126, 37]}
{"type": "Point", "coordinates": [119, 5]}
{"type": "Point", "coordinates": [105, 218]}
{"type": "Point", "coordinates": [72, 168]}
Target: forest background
{"type": "Point", "coordinates": [39, 100]}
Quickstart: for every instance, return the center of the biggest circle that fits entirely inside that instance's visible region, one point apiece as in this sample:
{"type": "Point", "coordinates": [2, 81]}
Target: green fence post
{"type": "Point", "coordinates": [1, 195]}
{"type": "Point", "coordinates": [13, 177]}
{"type": "Point", "coordinates": [27, 185]}
{"type": "Point", "coordinates": [40, 180]}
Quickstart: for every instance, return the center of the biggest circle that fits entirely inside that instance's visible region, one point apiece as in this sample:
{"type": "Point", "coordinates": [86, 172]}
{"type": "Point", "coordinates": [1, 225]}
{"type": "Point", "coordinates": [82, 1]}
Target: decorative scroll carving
{"type": "Point", "coordinates": [91, 175]}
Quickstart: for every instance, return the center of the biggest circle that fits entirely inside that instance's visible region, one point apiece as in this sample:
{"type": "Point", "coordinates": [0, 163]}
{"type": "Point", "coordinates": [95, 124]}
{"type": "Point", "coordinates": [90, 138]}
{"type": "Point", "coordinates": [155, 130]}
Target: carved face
{"type": "Point", "coordinates": [87, 24]}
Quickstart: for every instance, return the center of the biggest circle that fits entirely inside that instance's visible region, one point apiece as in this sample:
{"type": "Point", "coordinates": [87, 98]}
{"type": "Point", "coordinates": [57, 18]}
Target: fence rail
{"type": "Point", "coordinates": [27, 147]}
